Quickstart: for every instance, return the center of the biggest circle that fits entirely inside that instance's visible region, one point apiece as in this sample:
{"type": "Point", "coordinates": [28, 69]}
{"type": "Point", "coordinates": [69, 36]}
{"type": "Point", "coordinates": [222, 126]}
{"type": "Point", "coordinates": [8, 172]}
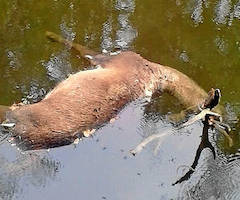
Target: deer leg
{"type": "Point", "coordinates": [3, 110]}
{"type": "Point", "coordinates": [83, 51]}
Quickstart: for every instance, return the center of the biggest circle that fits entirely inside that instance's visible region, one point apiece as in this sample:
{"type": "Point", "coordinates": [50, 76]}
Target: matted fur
{"type": "Point", "coordinates": [88, 99]}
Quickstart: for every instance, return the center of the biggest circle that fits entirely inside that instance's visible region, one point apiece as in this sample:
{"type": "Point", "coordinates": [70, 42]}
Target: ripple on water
{"type": "Point", "coordinates": [222, 45]}
{"type": "Point", "coordinates": [14, 61]}
{"type": "Point", "coordinates": [219, 179]}
{"type": "Point", "coordinates": [236, 10]}
{"type": "Point", "coordinates": [107, 42]}
{"type": "Point", "coordinates": [126, 34]}
{"type": "Point", "coordinates": [184, 57]}
{"type": "Point", "coordinates": [58, 67]}
{"type": "Point", "coordinates": [126, 5]}
{"type": "Point", "coordinates": [235, 13]}
{"type": "Point", "coordinates": [32, 167]}
{"type": "Point", "coordinates": [222, 10]}
{"type": "Point", "coordinates": [35, 94]}
{"type": "Point", "coordinates": [197, 12]}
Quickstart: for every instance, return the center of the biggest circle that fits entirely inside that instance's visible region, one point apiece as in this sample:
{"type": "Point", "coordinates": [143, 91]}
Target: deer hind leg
{"type": "Point", "coordinates": [3, 110]}
{"type": "Point", "coordinates": [93, 57]}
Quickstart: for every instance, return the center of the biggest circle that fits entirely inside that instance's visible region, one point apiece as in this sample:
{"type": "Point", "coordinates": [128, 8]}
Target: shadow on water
{"type": "Point", "coordinates": [214, 179]}
{"type": "Point", "coordinates": [203, 145]}
{"type": "Point", "coordinates": [199, 37]}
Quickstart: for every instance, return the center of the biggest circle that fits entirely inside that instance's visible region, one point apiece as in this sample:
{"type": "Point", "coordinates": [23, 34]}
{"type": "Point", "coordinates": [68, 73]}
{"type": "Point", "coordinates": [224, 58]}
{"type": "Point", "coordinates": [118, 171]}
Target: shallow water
{"type": "Point", "coordinates": [197, 37]}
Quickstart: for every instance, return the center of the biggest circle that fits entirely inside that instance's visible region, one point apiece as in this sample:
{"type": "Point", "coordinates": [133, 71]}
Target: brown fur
{"type": "Point", "coordinates": [91, 98]}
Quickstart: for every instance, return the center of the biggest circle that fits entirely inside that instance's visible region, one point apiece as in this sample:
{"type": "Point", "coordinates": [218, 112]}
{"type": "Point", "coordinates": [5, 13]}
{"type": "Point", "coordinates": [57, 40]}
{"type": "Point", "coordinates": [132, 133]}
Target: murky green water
{"type": "Point", "coordinates": [199, 38]}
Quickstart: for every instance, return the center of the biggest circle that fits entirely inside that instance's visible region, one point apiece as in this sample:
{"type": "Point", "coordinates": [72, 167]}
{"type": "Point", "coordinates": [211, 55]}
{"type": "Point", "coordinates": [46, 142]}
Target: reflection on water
{"type": "Point", "coordinates": [198, 10]}
{"type": "Point", "coordinates": [32, 168]}
{"type": "Point", "coordinates": [223, 9]}
{"type": "Point", "coordinates": [107, 43]}
{"type": "Point", "coordinates": [204, 144]}
{"type": "Point", "coordinates": [207, 43]}
{"type": "Point", "coordinates": [125, 33]}
{"type": "Point", "coordinates": [236, 10]}
{"type": "Point", "coordinates": [235, 13]}
{"type": "Point", "coordinates": [34, 94]}
{"type": "Point", "coordinates": [222, 45]}
{"type": "Point", "coordinates": [125, 5]}
{"type": "Point", "coordinates": [13, 59]}
{"type": "Point", "coordinates": [214, 179]}
{"type": "Point", "coordinates": [59, 67]}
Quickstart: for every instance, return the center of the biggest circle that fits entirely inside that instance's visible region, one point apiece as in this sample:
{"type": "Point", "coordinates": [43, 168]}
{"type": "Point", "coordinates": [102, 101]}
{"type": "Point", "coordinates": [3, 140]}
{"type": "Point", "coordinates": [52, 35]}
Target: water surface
{"type": "Point", "coordinates": [198, 37]}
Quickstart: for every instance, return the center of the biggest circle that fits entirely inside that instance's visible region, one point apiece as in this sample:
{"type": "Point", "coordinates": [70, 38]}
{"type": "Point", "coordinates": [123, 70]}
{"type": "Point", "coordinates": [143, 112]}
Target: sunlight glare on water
{"type": "Point", "coordinates": [198, 37]}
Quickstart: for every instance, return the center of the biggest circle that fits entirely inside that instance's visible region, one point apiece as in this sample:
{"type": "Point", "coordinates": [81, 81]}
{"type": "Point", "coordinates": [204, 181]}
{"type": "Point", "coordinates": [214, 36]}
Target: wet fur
{"type": "Point", "coordinates": [88, 99]}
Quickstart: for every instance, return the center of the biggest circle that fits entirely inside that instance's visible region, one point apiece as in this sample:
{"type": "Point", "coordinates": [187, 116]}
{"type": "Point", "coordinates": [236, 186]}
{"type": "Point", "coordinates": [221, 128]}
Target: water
{"type": "Point", "coordinates": [197, 37]}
